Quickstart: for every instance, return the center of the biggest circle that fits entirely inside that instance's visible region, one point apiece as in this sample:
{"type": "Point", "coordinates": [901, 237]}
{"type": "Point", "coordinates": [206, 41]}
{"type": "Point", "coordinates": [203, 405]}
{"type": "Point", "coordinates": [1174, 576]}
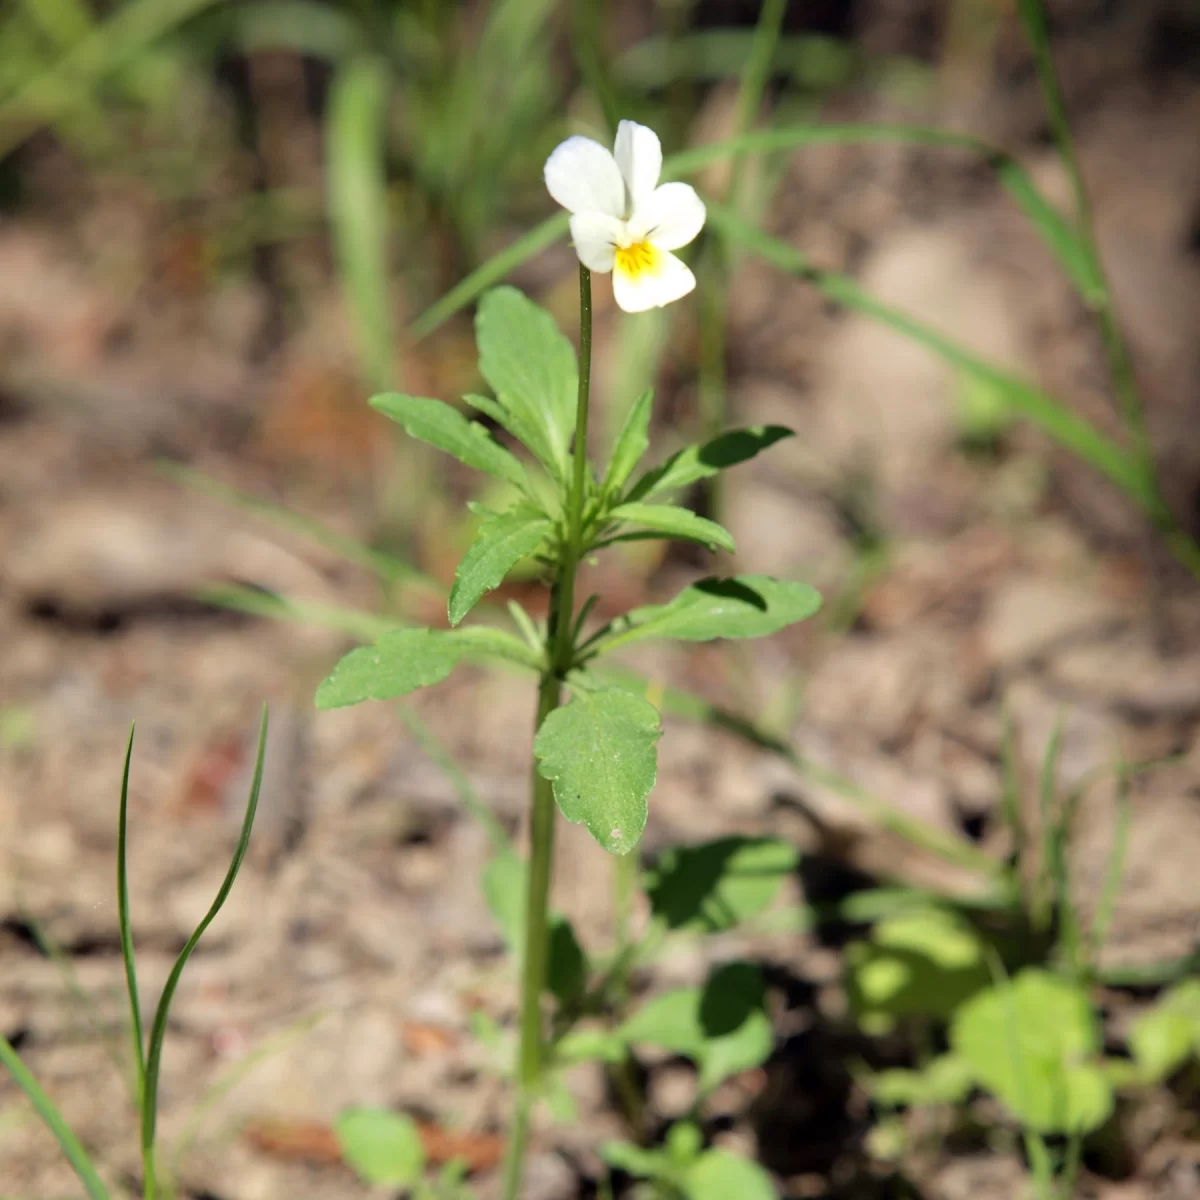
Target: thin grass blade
{"type": "Point", "coordinates": [126, 927]}
{"type": "Point", "coordinates": [1107, 903]}
{"type": "Point", "coordinates": [158, 1030]}
{"type": "Point", "coordinates": [356, 130]}
{"type": "Point", "coordinates": [77, 1156]}
{"type": "Point", "coordinates": [1049, 414]}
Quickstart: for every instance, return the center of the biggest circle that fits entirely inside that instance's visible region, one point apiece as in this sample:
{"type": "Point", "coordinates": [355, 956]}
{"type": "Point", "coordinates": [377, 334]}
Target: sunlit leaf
{"type": "Point", "coordinates": [600, 751]}
{"type": "Point", "coordinates": [675, 522]}
{"type": "Point", "coordinates": [532, 369]}
{"type": "Point", "coordinates": [694, 463]}
{"type": "Point", "coordinates": [501, 543]}
{"type": "Point", "coordinates": [740, 607]}
{"type": "Point", "coordinates": [1033, 1043]}
{"type": "Point", "coordinates": [1166, 1036]}
{"type": "Point", "coordinates": [382, 1147]}
{"type": "Point", "coordinates": [718, 1175]}
{"type": "Point", "coordinates": [446, 428]}
{"type": "Point", "coordinates": [406, 659]}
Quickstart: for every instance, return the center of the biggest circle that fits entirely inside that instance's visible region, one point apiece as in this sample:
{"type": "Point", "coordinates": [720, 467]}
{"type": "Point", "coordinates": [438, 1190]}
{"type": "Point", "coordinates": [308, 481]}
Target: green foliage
{"type": "Point", "coordinates": [600, 752]}
{"type": "Point", "coordinates": [446, 428]}
{"type": "Point", "coordinates": [921, 963]}
{"type": "Point", "coordinates": [531, 367]}
{"type": "Point", "coordinates": [716, 885]}
{"type": "Point", "coordinates": [632, 443]}
{"type": "Point", "coordinates": [501, 542]}
{"type": "Point", "coordinates": [745, 606]}
{"type": "Point", "coordinates": [679, 523]}
{"type": "Point", "coordinates": [717, 1174]}
{"type": "Point", "coordinates": [406, 659]}
{"type": "Point", "coordinates": [1033, 1043]}
{"type": "Point", "coordinates": [946, 1079]}
{"type": "Point", "coordinates": [694, 463]}
{"type": "Point", "coordinates": [382, 1147]}
{"type": "Point", "coordinates": [1168, 1035]}
{"type": "Point", "coordinates": [723, 1027]}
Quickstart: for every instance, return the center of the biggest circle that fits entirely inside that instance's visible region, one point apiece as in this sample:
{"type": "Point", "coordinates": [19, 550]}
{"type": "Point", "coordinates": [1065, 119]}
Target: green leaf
{"type": "Point", "coordinates": [741, 607]}
{"type": "Point", "coordinates": [720, 1175]}
{"type": "Point", "coordinates": [1166, 1036]}
{"type": "Point", "coordinates": [567, 967]}
{"type": "Point", "coordinates": [694, 463]}
{"type": "Point", "coordinates": [600, 752]}
{"type": "Point", "coordinates": [406, 659]}
{"type": "Point", "coordinates": [589, 1045]}
{"type": "Point", "coordinates": [501, 543]}
{"type": "Point", "coordinates": [446, 428]}
{"type": "Point", "coordinates": [634, 1160]}
{"type": "Point", "coordinates": [380, 1146]}
{"type": "Point", "coordinates": [632, 442]}
{"type": "Point", "coordinates": [675, 522]}
{"type": "Point", "coordinates": [716, 885]}
{"type": "Point", "coordinates": [922, 963]}
{"type": "Point", "coordinates": [356, 133]}
{"type": "Point", "coordinates": [722, 1027]}
{"type": "Point", "coordinates": [944, 1080]}
{"type": "Point", "coordinates": [532, 369]}
{"type": "Point", "coordinates": [1029, 1042]}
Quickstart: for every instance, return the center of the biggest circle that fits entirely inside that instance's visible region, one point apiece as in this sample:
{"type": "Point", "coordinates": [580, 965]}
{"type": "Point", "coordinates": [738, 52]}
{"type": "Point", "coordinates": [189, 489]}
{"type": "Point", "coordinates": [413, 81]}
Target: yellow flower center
{"type": "Point", "coordinates": [637, 259]}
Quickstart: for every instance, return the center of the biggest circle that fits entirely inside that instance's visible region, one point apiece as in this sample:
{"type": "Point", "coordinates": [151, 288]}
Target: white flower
{"type": "Point", "coordinates": [621, 220]}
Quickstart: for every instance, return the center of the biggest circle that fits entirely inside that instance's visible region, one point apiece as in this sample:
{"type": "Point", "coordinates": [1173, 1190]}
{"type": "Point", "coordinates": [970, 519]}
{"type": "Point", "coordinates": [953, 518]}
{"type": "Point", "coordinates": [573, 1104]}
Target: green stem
{"type": "Point", "coordinates": [560, 647]}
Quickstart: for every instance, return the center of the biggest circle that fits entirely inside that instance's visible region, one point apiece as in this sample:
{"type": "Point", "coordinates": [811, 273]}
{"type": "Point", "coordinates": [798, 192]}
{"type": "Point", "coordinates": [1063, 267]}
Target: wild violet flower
{"type": "Point", "coordinates": [622, 220]}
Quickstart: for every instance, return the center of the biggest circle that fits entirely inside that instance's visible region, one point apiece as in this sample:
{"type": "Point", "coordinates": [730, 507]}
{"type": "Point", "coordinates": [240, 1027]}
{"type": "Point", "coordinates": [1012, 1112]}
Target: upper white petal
{"type": "Point", "coordinates": [652, 289]}
{"type": "Point", "coordinates": [639, 155]}
{"type": "Point", "coordinates": [596, 237]}
{"type": "Point", "coordinates": [670, 217]}
{"type": "Point", "coordinates": [584, 177]}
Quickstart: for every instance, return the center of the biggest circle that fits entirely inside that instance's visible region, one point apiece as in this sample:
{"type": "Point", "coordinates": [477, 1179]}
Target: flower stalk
{"type": "Point", "coordinates": [560, 654]}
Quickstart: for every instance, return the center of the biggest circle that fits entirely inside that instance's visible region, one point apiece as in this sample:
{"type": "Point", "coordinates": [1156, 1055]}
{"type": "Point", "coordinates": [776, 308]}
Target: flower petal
{"type": "Point", "coordinates": [584, 177]}
{"type": "Point", "coordinates": [639, 155]}
{"type": "Point", "coordinates": [669, 280]}
{"type": "Point", "coordinates": [670, 217]}
{"type": "Point", "coordinates": [596, 237]}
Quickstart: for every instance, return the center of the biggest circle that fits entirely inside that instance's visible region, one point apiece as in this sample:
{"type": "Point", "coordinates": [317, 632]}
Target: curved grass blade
{"type": "Point", "coordinates": [159, 1029]}
{"type": "Point", "coordinates": [1050, 414]}
{"type": "Point", "coordinates": [314, 30]}
{"type": "Point", "coordinates": [126, 928]}
{"type": "Point", "coordinates": [356, 131]}
{"type": "Point", "coordinates": [77, 1156]}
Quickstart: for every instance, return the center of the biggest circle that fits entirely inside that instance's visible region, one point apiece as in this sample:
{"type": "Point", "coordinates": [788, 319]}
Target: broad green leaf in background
{"type": "Point", "coordinates": [1032, 1042]}
{"type": "Point", "coordinates": [632, 442]}
{"type": "Point", "coordinates": [406, 659]}
{"type": "Point", "coordinates": [600, 752]}
{"type": "Point", "coordinates": [1167, 1035]}
{"type": "Point", "coordinates": [922, 963]}
{"type": "Point", "coordinates": [740, 607]}
{"type": "Point", "coordinates": [446, 428]}
{"type": "Point", "coordinates": [676, 523]}
{"type": "Point", "coordinates": [722, 1027]}
{"type": "Point", "coordinates": [356, 134]}
{"type": "Point", "coordinates": [501, 543]}
{"type": "Point", "coordinates": [716, 885]}
{"type": "Point", "coordinates": [381, 1147]}
{"type": "Point", "coordinates": [635, 1160]}
{"type": "Point", "coordinates": [720, 1175]}
{"type": "Point", "coordinates": [694, 463]}
{"type": "Point", "coordinates": [532, 369]}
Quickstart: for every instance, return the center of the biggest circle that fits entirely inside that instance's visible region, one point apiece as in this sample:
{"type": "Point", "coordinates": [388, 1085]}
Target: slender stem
{"type": "Point", "coordinates": [560, 646]}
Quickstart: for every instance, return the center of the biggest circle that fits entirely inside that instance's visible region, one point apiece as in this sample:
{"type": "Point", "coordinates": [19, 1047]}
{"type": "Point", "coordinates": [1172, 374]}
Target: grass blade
{"type": "Point", "coordinates": [159, 1029]}
{"type": "Point", "coordinates": [489, 273]}
{"type": "Point", "coordinates": [1049, 414]}
{"type": "Point", "coordinates": [1051, 872]}
{"type": "Point", "coordinates": [356, 131]}
{"type": "Point", "coordinates": [126, 928]}
{"type": "Point", "coordinates": [77, 1156]}
{"type": "Point", "coordinates": [387, 567]}
{"type": "Point", "coordinates": [254, 602]}
{"type": "Point", "coordinates": [1107, 903]}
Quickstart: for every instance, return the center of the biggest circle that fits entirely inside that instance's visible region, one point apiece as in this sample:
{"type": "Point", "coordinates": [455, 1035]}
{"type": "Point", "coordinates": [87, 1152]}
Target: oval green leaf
{"type": "Point", "coordinates": [675, 522]}
{"type": "Point", "coordinates": [382, 1147]}
{"type": "Point", "coordinates": [501, 543]}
